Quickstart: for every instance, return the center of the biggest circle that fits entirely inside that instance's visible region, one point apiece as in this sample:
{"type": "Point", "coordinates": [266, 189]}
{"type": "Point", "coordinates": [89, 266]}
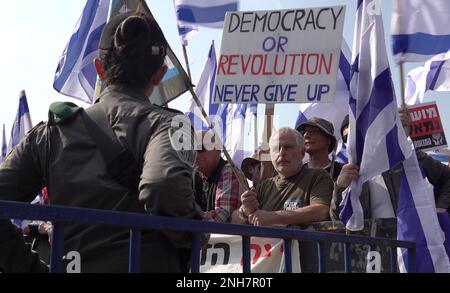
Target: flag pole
{"type": "Point", "coordinates": [266, 168]}
{"type": "Point", "coordinates": [242, 181]}
{"type": "Point", "coordinates": [402, 86]}
{"type": "Point", "coordinates": [255, 132]}
{"type": "Point", "coordinates": [187, 62]}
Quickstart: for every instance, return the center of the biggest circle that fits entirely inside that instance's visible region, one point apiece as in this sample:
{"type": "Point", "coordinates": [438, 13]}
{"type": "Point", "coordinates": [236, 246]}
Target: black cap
{"type": "Point", "coordinates": [109, 31]}
{"type": "Point", "coordinates": [108, 37]}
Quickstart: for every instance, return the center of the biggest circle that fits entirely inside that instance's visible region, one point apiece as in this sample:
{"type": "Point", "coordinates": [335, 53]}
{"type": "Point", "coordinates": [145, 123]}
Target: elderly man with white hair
{"type": "Point", "coordinates": [297, 195]}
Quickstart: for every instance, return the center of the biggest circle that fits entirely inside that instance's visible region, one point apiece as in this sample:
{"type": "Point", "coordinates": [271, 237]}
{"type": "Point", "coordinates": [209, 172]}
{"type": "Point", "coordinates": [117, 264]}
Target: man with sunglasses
{"type": "Point", "coordinates": [319, 143]}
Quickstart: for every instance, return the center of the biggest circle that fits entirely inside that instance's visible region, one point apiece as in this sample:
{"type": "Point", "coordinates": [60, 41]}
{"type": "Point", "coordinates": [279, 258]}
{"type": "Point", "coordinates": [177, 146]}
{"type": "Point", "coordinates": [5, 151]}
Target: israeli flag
{"type": "Point", "coordinates": [75, 75]}
{"type": "Point", "coordinates": [341, 152]}
{"type": "Point", "coordinates": [175, 82]}
{"type": "Point", "coordinates": [420, 29]}
{"type": "Point", "coordinates": [191, 13]}
{"type": "Point", "coordinates": [336, 111]}
{"type": "Point", "coordinates": [377, 143]}
{"type": "Point", "coordinates": [418, 221]}
{"type": "Point", "coordinates": [228, 120]}
{"type": "Point", "coordinates": [434, 76]}
{"type": "Point", "coordinates": [204, 89]}
{"type": "Point", "coordinates": [376, 140]}
{"type": "Point", "coordinates": [22, 123]}
{"type": "Point", "coordinates": [4, 147]}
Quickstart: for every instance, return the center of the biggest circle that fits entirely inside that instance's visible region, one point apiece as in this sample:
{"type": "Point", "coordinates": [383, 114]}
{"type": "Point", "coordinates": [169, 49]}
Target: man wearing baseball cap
{"type": "Point", "coordinates": [252, 167]}
{"type": "Point", "coordinates": [319, 143]}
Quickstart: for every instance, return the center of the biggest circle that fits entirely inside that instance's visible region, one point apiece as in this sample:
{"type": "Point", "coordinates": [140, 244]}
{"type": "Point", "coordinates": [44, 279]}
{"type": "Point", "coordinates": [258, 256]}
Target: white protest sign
{"type": "Point", "coordinates": [224, 255]}
{"type": "Point", "coordinates": [280, 56]}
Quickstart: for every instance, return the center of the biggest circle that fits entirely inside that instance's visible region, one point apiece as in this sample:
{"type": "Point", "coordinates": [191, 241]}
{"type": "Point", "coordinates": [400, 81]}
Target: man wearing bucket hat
{"type": "Point", "coordinates": [319, 143]}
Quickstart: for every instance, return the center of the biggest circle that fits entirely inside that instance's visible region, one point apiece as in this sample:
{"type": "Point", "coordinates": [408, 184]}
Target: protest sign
{"type": "Point", "coordinates": [280, 56]}
{"type": "Point", "coordinates": [427, 131]}
{"type": "Point", "coordinates": [224, 255]}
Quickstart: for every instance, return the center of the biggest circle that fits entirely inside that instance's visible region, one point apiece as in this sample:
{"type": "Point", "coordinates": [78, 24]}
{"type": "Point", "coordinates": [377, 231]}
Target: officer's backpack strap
{"type": "Point", "coordinates": [120, 163]}
{"type": "Point", "coordinates": [97, 124]}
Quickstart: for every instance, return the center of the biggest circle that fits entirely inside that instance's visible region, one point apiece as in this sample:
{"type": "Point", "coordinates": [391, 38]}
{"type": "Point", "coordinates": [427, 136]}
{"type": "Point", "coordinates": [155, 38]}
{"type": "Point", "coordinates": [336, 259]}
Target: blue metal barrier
{"type": "Point", "coordinates": [58, 215]}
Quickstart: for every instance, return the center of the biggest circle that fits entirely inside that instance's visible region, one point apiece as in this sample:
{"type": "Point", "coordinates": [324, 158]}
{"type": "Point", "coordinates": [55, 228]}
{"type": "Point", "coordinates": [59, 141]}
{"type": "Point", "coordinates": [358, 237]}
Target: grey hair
{"type": "Point", "coordinates": [299, 140]}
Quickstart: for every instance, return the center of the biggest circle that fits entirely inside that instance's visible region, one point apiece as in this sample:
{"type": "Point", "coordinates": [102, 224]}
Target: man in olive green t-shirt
{"type": "Point", "coordinates": [297, 195]}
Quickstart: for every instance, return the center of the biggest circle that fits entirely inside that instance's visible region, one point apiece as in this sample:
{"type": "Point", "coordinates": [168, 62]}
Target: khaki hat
{"type": "Point", "coordinates": [247, 163]}
{"type": "Point", "coordinates": [325, 127]}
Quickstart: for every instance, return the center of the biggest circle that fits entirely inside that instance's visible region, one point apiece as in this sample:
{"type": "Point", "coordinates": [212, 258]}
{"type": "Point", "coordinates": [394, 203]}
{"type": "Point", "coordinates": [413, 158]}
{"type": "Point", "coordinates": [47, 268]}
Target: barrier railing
{"type": "Point", "coordinates": [59, 215]}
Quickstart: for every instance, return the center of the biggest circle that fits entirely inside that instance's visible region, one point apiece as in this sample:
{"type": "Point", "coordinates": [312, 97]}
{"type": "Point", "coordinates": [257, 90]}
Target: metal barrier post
{"type": "Point", "coordinates": [195, 253]}
{"type": "Point", "coordinates": [393, 257]}
{"type": "Point", "coordinates": [321, 256]}
{"type": "Point", "coordinates": [287, 256]}
{"type": "Point", "coordinates": [412, 260]}
{"type": "Point", "coordinates": [246, 268]}
{"type": "Point", "coordinates": [57, 250]}
{"type": "Point", "coordinates": [134, 260]}
{"type": "Point", "coordinates": [347, 258]}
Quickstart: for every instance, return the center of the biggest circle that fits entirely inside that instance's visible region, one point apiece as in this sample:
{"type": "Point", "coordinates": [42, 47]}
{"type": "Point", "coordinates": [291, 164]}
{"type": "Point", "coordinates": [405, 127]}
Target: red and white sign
{"type": "Point", "coordinates": [427, 131]}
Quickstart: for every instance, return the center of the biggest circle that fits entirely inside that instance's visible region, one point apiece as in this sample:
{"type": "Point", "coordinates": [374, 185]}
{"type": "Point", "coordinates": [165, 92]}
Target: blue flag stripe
{"type": "Point", "coordinates": [344, 67]}
{"type": "Point", "coordinates": [395, 153]}
{"type": "Point", "coordinates": [420, 43]}
{"type": "Point", "coordinates": [75, 47]}
{"type": "Point", "coordinates": [381, 97]}
{"type": "Point", "coordinates": [433, 75]}
{"type": "Point", "coordinates": [203, 14]}
{"type": "Point", "coordinates": [412, 227]}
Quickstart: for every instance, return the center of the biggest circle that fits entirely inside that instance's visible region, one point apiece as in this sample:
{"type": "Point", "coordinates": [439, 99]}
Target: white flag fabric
{"type": "Point", "coordinates": [341, 152]}
{"type": "Point", "coordinates": [417, 221]}
{"type": "Point", "coordinates": [22, 123]}
{"type": "Point", "coordinates": [420, 29]}
{"type": "Point", "coordinates": [434, 76]}
{"type": "Point", "coordinates": [228, 119]}
{"type": "Point", "coordinates": [377, 143]}
{"type": "Point", "coordinates": [336, 111]}
{"type": "Point", "coordinates": [4, 147]}
{"type": "Point", "coordinates": [376, 140]}
{"type": "Point", "coordinates": [75, 75]}
{"type": "Point", "coordinates": [191, 13]}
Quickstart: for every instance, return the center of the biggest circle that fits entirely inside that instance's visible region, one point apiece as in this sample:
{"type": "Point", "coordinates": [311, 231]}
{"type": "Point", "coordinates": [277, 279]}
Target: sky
{"type": "Point", "coordinates": [34, 34]}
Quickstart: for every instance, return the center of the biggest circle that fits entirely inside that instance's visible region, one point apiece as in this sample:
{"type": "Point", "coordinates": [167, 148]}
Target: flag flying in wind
{"type": "Point", "coordinates": [228, 119]}
{"type": "Point", "coordinates": [75, 75]}
{"type": "Point", "coordinates": [3, 154]}
{"type": "Point", "coordinates": [336, 111]}
{"type": "Point", "coordinates": [418, 221]}
{"type": "Point", "coordinates": [176, 81]}
{"type": "Point", "coordinates": [376, 139]}
{"type": "Point", "coordinates": [191, 13]}
{"type": "Point", "coordinates": [22, 123]}
{"type": "Point", "coordinates": [434, 75]}
{"type": "Point", "coordinates": [420, 29]}
{"type": "Point", "coordinates": [377, 143]}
